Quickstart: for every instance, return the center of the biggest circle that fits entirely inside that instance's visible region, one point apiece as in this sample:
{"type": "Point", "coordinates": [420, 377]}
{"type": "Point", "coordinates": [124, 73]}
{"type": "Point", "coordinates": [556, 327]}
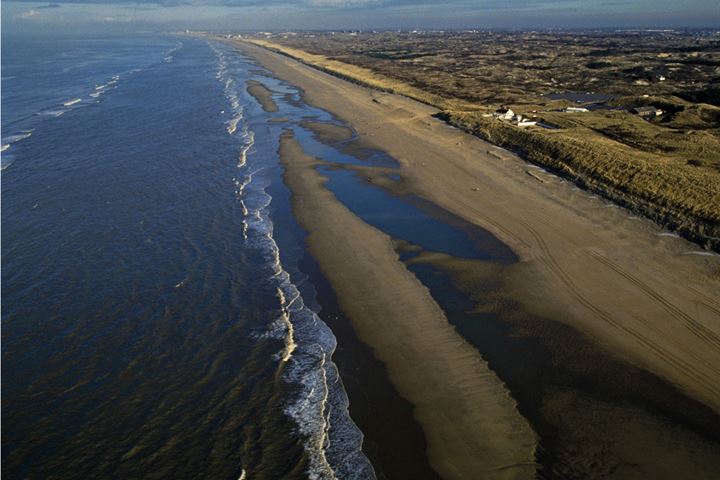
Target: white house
{"type": "Point", "coordinates": [504, 113]}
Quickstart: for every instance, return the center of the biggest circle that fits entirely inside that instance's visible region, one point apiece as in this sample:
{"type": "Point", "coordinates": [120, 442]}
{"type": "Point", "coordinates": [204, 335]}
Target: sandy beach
{"type": "Point", "coordinates": [640, 296]}
{"type": "Point", "coordinates": [471, 423]}
{"type": "Point", "coordinates": [262, 95]}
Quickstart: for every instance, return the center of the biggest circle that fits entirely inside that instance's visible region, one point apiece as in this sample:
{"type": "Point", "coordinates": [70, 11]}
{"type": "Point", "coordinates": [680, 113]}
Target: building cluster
{"type": "Point", "coordinates": [507, 115]}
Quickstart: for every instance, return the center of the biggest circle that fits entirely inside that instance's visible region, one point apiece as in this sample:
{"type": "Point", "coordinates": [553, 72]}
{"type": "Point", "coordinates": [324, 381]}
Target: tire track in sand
{"type": "Point", "coordinates": [678, 363]}
{"type": "Point", "coordinates": [693, 325]}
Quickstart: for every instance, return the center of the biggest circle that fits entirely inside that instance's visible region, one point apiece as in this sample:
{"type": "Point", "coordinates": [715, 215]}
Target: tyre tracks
{"type": "Point", "coordinates": [693, 325]}
{"type": "Point", "coordinates": [678, 363]}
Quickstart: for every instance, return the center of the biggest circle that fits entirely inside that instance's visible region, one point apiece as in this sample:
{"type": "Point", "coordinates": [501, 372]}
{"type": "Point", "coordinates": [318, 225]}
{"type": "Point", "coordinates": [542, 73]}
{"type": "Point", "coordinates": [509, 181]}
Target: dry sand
{"type": "Point", "coordinates": [647, 296]}
{"type": "Point", "coordinates": [472, 425]}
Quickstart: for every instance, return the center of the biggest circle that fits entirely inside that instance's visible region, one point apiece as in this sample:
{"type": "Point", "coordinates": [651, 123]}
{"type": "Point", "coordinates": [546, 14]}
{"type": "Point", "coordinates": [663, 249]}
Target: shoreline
{"type": "Point", "coordinates": [393, 440]}
{"type": "Point", "coordinates": [558, 234]}
{"type": "Point", "coordinates": [561, 157]}
{"type": "Point", "coordinates": [470, 421]}
{"type": "Point", "coordinates": [648, 300]}
{"type": "Point", "coordinates": [547, 367]}
{"type": "Point", "coordinates": [263, 96]}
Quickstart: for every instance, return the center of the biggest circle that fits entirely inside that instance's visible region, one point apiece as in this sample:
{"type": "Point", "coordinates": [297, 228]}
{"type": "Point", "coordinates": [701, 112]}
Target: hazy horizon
{"type": "Point", "coordinates": [119, 16]}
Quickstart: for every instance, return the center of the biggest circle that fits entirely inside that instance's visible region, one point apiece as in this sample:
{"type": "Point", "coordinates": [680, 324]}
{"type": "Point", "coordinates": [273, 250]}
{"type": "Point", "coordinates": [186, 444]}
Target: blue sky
{"type": "Point", "coordinates": [119, 15]}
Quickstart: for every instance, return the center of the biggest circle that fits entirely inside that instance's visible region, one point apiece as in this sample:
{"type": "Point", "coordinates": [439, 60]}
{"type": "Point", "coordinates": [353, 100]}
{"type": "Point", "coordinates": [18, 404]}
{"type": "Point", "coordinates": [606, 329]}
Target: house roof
{"type": "Point", "coordinates": [642, 110]}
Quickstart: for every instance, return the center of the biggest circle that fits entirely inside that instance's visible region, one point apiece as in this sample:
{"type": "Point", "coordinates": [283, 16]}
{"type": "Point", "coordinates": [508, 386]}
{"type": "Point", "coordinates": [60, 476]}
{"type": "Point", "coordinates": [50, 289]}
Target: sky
{"type": "Point", "coordinates": [113, 16]}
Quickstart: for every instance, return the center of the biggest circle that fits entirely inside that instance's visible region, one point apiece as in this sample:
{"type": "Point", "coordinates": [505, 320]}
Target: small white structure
{"type": "Point", "coordinates": [576, 109]}
{"type": "Point", "coordinates": [507, 115]}
{"type": "Point", "coordinates": [647, 112]}
{"type": "Point", "coordinates": [504, 113]}
{"type": "Point", "coordinates": [520, 121]}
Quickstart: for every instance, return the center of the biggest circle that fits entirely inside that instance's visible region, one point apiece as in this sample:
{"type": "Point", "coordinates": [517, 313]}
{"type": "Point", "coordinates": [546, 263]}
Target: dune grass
{"type": "Point", "coordinates": [667, 169]}
{"type": "Point", "coordinates": [662, 186]}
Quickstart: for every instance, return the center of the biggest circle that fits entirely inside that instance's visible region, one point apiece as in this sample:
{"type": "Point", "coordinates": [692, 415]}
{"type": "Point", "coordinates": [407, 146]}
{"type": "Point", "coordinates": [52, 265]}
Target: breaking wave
{"type": "Point", "coordinates": [10, 139]}
{"type": "Point", "coordinates": [103, 88]}
{"type": "Point", "coordinates": [168, 55]}
{"type": "Point", "coordinates": [53, 112]}
{"type": "Point", "coordinates": [332, 441]}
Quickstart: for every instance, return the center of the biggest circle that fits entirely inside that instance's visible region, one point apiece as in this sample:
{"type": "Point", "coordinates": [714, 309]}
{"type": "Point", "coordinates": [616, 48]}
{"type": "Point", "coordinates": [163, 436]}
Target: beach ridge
{"type": "Point", "coordinates": [470, 419]}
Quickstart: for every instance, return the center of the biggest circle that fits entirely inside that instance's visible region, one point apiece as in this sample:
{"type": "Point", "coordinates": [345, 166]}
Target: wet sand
{"type": "Point", "coordinates": [627, 314]}
{"type": "Point", "coordinates": [263, 95]}
{"type": "Point", "coordinates": [393, 440]}
{"type": "Point", "coordinates": [472, 426]}
{"type": "Point", "coordinates": [650, 298]}
{"type": "Point", "coordinates": [596, 414]}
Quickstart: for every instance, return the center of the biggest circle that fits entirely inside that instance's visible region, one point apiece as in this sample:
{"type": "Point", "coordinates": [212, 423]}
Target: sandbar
{"type": "Point", "coordinates": [620, 281]}
{"type": "Point", "coordinates": [471, 423]}
{"type": "Point", "coordinates": [263, 95]}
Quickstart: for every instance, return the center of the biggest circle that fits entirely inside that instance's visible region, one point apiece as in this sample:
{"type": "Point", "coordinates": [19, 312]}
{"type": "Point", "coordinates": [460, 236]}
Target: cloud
{"type": "Point", "coordinates": [28, 14]}
{"type": "Point", "coordinates": [295, 14]}
{"type": "Point", "coordinates": [344, 3]}
{"type": "Point", "coordinates": [472, 5]}
{"type": "Point", "coordinates": [109, 19]}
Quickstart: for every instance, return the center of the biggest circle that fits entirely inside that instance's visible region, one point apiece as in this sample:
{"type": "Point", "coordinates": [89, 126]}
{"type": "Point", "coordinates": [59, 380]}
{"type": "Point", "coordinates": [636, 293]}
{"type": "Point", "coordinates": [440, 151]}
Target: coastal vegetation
{"type": "Point", "coordinates": [642, 301]}
{"type": "Point", "coordinates": [666, 167]}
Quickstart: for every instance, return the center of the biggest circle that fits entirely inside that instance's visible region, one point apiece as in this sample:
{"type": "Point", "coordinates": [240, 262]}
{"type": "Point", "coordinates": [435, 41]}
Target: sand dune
{"type": "Point", "coordinates": [610, 276]}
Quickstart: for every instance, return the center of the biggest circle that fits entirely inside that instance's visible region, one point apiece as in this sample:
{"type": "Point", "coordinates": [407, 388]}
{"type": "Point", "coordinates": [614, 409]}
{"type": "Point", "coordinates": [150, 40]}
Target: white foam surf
{"type": "Point", "coordinates": [168, 56]}
{"type": "Point", "coordinates": [249, 137]}
{"type": "Point", "coordinates": [103, 88]}
{"type": "Point", "coordinates": [72, 102]}
{"type": "Point", "coordinates": [53, 113]}
{"type": "Point", "coordinates": [332, 442]}
{"type": "Point", "coordinates": [290, 344]}
{"type": "Point", "coordinates": [10, 139]}
{"type": "Point", "coordinates": [233, 123]}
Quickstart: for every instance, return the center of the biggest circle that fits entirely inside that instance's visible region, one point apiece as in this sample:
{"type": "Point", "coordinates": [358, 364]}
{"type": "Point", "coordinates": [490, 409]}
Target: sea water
{"type": "Point", "coordinates": [152, 324]}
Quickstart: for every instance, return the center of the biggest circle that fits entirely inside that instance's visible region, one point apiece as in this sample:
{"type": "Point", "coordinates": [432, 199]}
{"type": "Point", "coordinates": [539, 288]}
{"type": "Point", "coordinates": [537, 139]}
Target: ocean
{"type": "Point", "coordinates": [161, 317]}
{"type": "Point", "coordinates": [156, 321]}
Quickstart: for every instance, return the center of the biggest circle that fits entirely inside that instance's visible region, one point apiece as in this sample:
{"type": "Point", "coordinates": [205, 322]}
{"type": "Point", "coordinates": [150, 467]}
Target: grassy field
{"type": "Point", "coordinates": [667, 168]}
